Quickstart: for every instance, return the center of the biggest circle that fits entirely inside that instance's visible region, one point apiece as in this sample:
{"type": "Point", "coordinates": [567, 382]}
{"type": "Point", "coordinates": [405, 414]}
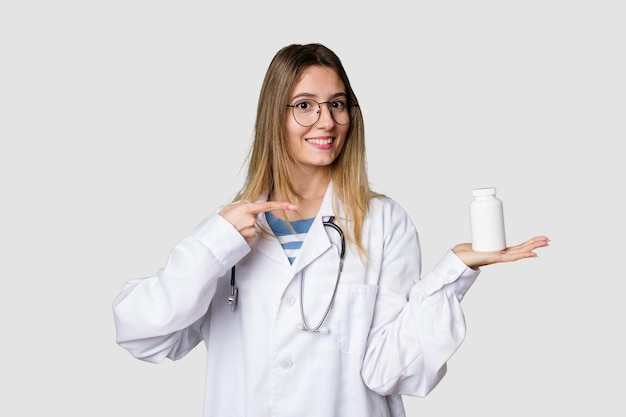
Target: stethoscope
{"type": "Point", "coordinates": [304, 326]}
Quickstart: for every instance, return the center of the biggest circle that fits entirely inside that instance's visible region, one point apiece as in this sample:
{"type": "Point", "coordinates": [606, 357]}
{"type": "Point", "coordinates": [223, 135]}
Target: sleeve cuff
{"type": "Point", "coordinates": [222, 239]}
{"type": "Point", "coordinates": [449, 274]}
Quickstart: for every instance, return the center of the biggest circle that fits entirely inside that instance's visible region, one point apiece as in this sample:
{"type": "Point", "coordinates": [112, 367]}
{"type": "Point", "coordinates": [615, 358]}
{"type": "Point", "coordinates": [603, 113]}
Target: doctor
{"type": "Point", "coordinates": [307, 289]}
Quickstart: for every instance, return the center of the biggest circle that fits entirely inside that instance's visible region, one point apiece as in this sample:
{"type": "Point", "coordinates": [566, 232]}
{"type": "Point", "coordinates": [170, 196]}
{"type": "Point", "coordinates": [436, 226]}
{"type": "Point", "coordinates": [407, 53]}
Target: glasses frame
{"type": "Point", "coordinates": [319, 111]}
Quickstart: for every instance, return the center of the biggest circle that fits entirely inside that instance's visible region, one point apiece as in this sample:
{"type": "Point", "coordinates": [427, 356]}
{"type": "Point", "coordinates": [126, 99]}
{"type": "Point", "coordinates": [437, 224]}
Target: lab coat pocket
{"type": "Point", "coordinates": [355, 309]}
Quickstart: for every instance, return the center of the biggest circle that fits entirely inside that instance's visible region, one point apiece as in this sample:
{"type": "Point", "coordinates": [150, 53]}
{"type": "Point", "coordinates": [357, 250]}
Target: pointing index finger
{"type": "Point", "coordinates": [257, 208]}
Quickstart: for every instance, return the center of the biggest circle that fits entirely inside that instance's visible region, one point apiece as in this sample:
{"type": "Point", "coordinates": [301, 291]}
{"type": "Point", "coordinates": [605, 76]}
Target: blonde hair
{"type": "Point", "coordinates": [269, 159]}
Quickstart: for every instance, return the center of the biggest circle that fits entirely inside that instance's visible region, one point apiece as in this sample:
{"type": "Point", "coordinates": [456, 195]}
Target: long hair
{"type": "Point", "coordinates": [269, 158]}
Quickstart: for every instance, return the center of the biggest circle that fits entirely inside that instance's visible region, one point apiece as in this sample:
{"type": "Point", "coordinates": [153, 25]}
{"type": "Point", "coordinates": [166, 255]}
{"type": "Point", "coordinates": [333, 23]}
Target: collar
{"type": "Point", "coordinates": [316, 242]}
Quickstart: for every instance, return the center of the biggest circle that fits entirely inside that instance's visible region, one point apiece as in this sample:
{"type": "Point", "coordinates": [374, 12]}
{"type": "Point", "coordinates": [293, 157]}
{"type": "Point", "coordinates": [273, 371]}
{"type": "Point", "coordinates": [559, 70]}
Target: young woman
{"type": "Point", "coordinates": [307, 289]}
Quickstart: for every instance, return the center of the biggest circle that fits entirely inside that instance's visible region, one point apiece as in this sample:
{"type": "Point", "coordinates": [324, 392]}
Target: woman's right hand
{"type": "Point", "coordinates": [243, 215]}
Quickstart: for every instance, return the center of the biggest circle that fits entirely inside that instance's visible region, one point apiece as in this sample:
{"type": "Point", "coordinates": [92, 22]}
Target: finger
{"type": "Point", "coordinates": [257, 208]}
{"type": "Point", "coordinates": [540, 241]}
{"type": "Point", "coordinates": [524, 250]}
{"type": "Point", "coordinates": [531, 244]}
{"type": "Point", "coordinates": [249, 233]}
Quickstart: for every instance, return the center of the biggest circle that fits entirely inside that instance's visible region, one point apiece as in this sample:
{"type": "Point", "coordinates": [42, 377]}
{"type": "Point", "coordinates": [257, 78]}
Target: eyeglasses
{"type": "Point", "coordinates": [307, 112]}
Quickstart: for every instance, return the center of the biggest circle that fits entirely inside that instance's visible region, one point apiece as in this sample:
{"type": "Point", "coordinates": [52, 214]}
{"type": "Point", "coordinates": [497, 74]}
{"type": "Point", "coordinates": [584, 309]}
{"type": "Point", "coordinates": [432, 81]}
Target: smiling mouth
{"type": "Point", "coordinates": [315, 141]}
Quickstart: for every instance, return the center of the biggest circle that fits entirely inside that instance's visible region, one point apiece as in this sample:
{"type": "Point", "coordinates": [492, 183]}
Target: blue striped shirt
{"type": "Point", "coordinates": [290, 241]}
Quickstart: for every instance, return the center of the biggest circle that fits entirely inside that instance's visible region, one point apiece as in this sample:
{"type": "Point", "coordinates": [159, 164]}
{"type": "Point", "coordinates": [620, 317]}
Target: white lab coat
{"type": "Point", "coordinates": [390, 332]}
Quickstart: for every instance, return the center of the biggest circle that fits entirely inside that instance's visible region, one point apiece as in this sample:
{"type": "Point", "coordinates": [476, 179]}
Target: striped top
{"type": "Point", "coordinates": [290, 241]}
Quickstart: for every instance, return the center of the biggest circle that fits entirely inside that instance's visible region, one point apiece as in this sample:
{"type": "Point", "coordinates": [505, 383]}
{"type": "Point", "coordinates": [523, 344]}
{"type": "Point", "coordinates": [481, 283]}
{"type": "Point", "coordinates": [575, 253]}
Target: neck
{"type": "Point", "coordinates": [311, 190]}
{"type": "Point", "coordinates": [310, 183]}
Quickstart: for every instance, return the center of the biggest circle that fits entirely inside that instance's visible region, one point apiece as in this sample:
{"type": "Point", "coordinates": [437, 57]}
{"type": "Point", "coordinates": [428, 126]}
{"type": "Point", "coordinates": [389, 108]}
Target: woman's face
{"type": "Point", "coordinates": [316, 146]}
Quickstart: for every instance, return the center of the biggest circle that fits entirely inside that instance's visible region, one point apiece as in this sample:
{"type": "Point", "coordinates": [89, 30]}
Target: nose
{"type": "Point", "coordinates": [325, 115]}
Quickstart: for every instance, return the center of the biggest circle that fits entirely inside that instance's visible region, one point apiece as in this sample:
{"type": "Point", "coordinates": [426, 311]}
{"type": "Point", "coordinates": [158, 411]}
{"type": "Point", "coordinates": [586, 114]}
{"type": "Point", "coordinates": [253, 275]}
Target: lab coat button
{"type": "Point", "coordinates": [451, 273]}
{"type": "Point", "coordinates": [286, 364]}
{"type": "Point", "coordinates": [289, 300]}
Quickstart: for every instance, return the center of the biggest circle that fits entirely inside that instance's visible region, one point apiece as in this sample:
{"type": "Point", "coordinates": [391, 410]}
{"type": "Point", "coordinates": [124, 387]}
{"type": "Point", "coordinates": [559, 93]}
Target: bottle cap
{"type": "Point", "coordinates": [479, 192]}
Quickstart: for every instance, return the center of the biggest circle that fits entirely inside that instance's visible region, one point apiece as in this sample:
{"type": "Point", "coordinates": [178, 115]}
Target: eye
{"type": "Point", "coordinates": [339, 104]}
{"type": "Point", "coordinates": [305, 106]}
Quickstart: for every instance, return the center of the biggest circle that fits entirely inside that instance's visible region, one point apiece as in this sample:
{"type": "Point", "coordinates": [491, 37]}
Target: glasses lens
{"type": "Point", "coordinates": [306, 112]}
{"type": "Point", "coordinates": [340, 110]}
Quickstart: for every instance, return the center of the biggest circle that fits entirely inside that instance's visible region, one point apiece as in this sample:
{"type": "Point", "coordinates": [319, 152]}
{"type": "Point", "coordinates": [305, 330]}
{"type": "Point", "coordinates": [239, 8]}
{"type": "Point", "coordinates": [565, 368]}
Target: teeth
{"type": "Point", "coordinates": [320, 141]}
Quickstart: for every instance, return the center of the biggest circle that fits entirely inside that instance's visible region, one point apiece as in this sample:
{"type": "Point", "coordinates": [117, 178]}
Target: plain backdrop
{"type": "Point", "coordinates": [124, 123]}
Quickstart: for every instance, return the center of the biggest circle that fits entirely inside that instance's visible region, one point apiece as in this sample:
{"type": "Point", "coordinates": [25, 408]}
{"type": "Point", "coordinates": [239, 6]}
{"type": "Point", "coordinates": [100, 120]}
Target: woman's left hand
{"type": "Point", "coordinates": [524, 250]}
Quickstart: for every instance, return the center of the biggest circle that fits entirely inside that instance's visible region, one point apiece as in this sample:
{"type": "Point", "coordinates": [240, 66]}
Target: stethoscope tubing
{"type": "Point", "coordinates": [318, 327]}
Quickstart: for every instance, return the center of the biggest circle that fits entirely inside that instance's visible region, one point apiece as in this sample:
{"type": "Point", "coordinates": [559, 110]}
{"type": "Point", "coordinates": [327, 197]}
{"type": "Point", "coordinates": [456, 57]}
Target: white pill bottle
{"type": "Point", "coordinates": [487, 221]}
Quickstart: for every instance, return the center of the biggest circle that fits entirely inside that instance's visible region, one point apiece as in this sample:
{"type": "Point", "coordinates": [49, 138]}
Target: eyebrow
{"type": "Point", "coordinates": [311, 95]}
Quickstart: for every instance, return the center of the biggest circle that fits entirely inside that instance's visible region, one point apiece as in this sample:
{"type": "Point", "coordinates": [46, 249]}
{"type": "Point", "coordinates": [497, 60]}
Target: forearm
{"type": "Point", "coordinates": [154, 312]}
{"type": "Point", "coordinates": [409, 355]}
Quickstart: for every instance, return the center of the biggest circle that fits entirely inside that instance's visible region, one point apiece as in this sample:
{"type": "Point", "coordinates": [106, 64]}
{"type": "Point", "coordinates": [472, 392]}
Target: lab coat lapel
{"type": "Point", "coordinates": [270, 246]}
{"type": "Point", "coordinates": [317, 241]}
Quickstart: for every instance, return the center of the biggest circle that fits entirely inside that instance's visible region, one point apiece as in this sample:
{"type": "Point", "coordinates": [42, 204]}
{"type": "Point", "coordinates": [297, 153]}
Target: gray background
{"type": "Point", "coordinates": [124, 123]}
